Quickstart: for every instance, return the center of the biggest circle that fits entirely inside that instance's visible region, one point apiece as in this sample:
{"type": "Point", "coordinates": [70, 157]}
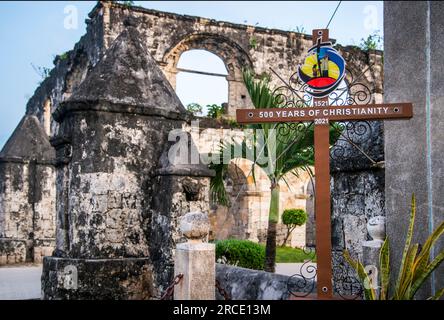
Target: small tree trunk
{"type": "Point", "coordinates": [273, 216]}
{"type": "Point", "coordinates": [286, 237]}
{"type": "Point", "coordinates": [289, 231]}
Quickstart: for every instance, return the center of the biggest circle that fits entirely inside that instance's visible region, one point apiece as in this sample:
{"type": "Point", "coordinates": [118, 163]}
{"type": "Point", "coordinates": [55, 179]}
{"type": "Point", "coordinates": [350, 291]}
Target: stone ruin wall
{"type": "Point", "coordinates": [27, 225]}
{"type": "Point", "coordinates": [167, 36]}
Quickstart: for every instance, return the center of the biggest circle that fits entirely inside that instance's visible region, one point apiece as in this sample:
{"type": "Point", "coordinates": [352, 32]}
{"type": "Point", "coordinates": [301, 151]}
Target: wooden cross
{"type": "Point", "coordinates": [321, 113]}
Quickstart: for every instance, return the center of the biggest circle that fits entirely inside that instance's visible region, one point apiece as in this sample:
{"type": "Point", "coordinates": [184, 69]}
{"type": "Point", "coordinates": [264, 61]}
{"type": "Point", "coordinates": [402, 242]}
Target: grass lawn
{"type": "Point", "coordinates": [289, 254]}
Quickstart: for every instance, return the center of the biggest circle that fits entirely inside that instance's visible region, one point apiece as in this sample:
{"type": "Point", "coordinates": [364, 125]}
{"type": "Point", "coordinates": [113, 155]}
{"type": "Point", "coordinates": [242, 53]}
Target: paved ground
{"type": "Point", "coordinates": [290, 269]}
{"type": "Point", "coordinates": [20, 283]}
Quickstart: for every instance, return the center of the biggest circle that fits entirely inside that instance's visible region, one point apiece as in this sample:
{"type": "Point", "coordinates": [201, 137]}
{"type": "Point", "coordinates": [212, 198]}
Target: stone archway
{"type": "Point", "coordinates": [201, 80]}
{"type": "Point", "coordinates": [247, 214]}
{"type": "Point", "coordinates": [232, 221]}
{"type": "Point", "coordinates": [232, 54]}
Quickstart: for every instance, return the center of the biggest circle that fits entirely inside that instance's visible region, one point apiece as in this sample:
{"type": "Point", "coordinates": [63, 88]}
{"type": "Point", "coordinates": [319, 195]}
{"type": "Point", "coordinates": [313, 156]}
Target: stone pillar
{"type": "Point", "coordinates": [113, 130]}
{"type": "Point", "coordinates": [196, 260]}
{"type": "Point", "coordinates": [372, 248]}
{"type": "Point", "coordinates": [357, 189]}
{"type": "Point", "coordinates": [238, 97]}
{"type": "Point", "coordinates": [184, 187]}
{"type": "Point", "coordinates": [414, 72]}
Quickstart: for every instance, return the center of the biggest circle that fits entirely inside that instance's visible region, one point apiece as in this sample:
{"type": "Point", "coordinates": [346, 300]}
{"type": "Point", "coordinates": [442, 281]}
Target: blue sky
{"type": "Point", "coordinates": [34, 32]}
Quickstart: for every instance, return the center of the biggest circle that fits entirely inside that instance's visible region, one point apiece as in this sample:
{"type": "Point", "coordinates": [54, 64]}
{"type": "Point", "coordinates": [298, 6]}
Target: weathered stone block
{"type": "Point", "coordinates": [114, 200]}
{"type": "Point", "coordinates": [247, 284]}
{"type": "Point", "coordinates": [99, 202]}
{"type": "Point", "coordinates": [105, 279]}
{"type": "Point", "coordinates": [13, 250]}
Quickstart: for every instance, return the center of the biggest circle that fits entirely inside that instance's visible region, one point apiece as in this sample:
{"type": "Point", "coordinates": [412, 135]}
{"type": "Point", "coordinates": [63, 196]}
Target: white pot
{"type": "Point", "coordinates": [376, 228]}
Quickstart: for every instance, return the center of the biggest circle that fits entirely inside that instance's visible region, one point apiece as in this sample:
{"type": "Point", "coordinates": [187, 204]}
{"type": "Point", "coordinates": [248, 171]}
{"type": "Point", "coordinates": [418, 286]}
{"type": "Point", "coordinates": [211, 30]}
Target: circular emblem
{"type": "Point", "coordinates": [322, 71]}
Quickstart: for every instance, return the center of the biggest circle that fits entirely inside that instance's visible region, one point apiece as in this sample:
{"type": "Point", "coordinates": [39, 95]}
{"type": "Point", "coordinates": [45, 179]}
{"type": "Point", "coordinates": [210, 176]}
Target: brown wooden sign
{"type": "Point", "coordinates": [322, 71]}
{"type": "Point", "coordinates": [322, 115]}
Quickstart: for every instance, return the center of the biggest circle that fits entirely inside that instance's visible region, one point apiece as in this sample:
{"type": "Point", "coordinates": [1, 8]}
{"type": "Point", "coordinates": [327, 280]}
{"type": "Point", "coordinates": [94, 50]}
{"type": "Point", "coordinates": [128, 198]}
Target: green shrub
{"type": "Point", "coordinates": [63, 56]}
{"type": "Point", "coordinates": [241, 253]}
{"type": "Point", "coordinates": [194, 108]}
{"type": "Point", "coordinates": [126, 3]}
{"type": "Point", "coordinates": [293, 218]}
{"type": "Point", "coordinates": [253, 42]}
{"type": "Point", "coordinates": [374, 41]}
{"type": "Point", "coordinates": [215, 111]}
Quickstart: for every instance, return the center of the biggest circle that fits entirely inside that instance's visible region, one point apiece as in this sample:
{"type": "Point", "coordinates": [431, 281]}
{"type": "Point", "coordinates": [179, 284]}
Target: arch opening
{"type": "Point", "coordinates": [201, 81]}
{"type": "Point", "coordinates": [233, 56]}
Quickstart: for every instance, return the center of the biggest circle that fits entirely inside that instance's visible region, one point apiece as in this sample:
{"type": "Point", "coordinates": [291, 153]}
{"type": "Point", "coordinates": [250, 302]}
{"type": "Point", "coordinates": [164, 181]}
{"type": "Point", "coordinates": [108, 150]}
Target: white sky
{"type": "Point", "coordinates": [197, 88]}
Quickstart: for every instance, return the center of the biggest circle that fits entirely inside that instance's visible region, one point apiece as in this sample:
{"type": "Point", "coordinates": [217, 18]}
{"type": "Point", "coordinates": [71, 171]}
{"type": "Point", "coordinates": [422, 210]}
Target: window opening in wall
{"type": "Point", "coordinates": [201, 82]}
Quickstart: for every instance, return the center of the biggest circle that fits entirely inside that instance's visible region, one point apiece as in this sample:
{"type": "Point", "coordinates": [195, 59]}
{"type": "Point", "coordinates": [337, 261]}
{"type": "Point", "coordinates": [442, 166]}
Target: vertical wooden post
{"type": "Point", "coordinates": [322, 199]}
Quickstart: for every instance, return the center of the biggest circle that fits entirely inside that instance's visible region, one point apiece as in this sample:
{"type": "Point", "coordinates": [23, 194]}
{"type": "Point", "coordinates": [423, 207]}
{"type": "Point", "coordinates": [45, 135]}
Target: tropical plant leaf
{"type": "Point", "coordinates": [424, 255]}
{"type": "Point", "coordinates": [406, 246]}
{"type": "Point", "coordinates": [369, 291]}
{"type": "Point", "coordinates": [384, 266]}
{"type": "Point", "coordinates": [438, 295]}
{"type": "Point", "coordinates": [415, 267]}
{"type": "Point", "coordinates": [424, 275]}
{"type": "Point", "coordinates": [403, 290]}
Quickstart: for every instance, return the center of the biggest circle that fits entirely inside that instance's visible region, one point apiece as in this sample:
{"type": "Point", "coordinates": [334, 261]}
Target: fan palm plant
{"type": "Point", "coordinates": [273, 147]}
{"type": "Point", "coordinates": [415, 267]}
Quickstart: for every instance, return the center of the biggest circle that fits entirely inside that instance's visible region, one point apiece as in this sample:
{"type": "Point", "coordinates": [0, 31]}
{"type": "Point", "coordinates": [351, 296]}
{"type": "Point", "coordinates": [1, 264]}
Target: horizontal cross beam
{"type": "Point", "coordinates": [384, 111]}
{"type": "Point", "coordinates": [202, 72]}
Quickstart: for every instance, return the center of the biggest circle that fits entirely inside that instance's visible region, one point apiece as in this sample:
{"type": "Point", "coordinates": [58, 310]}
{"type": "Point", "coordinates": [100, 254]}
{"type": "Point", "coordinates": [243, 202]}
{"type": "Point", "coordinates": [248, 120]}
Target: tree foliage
{"type": "Point", "coordinates": [372, 42]}
{"type": "Point", "coordinates": [215, 111]}
{"type": "Point", "coordinates": [293, 218]}
{"type": "Point", "coordinates": [195, 108]}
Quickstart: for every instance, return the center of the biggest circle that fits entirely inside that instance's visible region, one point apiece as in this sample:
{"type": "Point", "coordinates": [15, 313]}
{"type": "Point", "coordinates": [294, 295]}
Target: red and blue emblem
{"type": "Point", "coordinates": [323, 70]}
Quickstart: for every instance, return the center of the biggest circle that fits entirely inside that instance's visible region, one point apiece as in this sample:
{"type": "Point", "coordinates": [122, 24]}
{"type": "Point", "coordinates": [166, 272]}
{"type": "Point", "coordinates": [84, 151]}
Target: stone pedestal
{"type": "Point", "coordinates": [195, 260]}
{"type": "Point", "coordinates": [414, 72]}
{"type": "Point", "coordinates": [370, 260]}
{"type": "Point", "coordinates": [370, 253]}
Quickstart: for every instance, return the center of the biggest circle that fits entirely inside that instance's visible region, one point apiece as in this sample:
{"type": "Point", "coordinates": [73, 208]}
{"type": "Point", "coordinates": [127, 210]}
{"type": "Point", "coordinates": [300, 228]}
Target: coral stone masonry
{"type": "Point", "coordinates": [85, 179]}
